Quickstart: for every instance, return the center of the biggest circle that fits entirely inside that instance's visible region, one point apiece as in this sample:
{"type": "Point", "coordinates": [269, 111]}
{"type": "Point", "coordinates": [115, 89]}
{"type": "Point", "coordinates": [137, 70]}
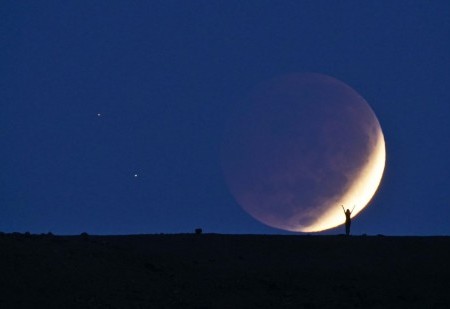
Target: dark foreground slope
{"type": "Point", "coordinates": [224, 271]}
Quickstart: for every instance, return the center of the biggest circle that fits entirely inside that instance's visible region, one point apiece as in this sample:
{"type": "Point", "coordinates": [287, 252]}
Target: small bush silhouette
{"type": "Point", "coordinates": [84, 236]}
{"type": "Point", "coordinates": [198, 231]}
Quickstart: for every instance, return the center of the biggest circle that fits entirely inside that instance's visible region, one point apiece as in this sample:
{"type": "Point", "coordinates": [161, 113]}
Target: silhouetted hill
{"type": "Point", "coordinates": [223, 271]}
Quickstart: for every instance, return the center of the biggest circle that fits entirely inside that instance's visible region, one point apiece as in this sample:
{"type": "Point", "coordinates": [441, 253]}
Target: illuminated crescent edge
{"type": "Point", "coordinates": [359, 194]}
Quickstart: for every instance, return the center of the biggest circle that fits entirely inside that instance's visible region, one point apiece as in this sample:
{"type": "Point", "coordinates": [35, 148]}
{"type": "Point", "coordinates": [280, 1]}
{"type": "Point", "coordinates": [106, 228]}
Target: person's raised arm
{"type": "Point", "coordinates": [343, 208]}
{"type": "Point", "coordinates": [353, 208]}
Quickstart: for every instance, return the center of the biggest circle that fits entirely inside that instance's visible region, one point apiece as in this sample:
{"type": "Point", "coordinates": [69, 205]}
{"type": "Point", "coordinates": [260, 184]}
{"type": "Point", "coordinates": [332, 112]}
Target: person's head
{"type": "Point", "coordinates": [347, 211]}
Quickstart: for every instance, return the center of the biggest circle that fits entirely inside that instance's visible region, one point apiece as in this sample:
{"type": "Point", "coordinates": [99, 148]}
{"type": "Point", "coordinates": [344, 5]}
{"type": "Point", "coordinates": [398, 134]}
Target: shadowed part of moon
{"type": "Point", "coordinates": [299, 147]}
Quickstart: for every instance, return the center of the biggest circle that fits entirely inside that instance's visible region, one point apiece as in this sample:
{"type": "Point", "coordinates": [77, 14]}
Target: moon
{"type": "Point", "coordinates": [298, 147]}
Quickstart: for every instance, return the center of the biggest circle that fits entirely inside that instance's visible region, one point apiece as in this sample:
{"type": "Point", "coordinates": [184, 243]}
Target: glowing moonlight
{"type": "Point", "coordinates": [299, 147]}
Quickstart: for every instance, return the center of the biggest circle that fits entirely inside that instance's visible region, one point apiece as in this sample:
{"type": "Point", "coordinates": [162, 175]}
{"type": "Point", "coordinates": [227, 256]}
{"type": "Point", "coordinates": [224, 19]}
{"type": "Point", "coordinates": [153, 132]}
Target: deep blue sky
{"type": "Point", "coordinates": [166, 74]}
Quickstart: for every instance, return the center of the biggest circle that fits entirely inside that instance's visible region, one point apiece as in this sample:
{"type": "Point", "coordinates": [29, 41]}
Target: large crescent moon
{"type": "Point", "coordinates": [298, 147]}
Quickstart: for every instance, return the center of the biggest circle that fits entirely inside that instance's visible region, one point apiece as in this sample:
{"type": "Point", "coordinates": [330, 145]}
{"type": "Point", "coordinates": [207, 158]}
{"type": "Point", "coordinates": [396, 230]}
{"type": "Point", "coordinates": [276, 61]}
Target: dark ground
{"type": "Point", "coordinates": [224, 271]}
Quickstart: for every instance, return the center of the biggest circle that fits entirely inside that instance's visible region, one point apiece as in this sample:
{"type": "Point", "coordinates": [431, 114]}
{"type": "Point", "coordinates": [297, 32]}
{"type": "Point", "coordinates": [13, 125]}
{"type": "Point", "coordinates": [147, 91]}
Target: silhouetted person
{"type": "Point", "coordinates": [348, 220]}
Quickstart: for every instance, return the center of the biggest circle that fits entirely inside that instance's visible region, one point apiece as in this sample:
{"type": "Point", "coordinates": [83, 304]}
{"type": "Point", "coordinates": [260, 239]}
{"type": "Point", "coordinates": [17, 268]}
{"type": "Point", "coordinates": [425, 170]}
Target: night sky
{"type": "Point", "coordinates": [112, 112]}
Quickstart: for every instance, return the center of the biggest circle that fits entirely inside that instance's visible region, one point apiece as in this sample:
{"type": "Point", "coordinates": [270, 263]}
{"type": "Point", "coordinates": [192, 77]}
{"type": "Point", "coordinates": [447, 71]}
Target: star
{"type": "Point", "coordinates": [99, 115]}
